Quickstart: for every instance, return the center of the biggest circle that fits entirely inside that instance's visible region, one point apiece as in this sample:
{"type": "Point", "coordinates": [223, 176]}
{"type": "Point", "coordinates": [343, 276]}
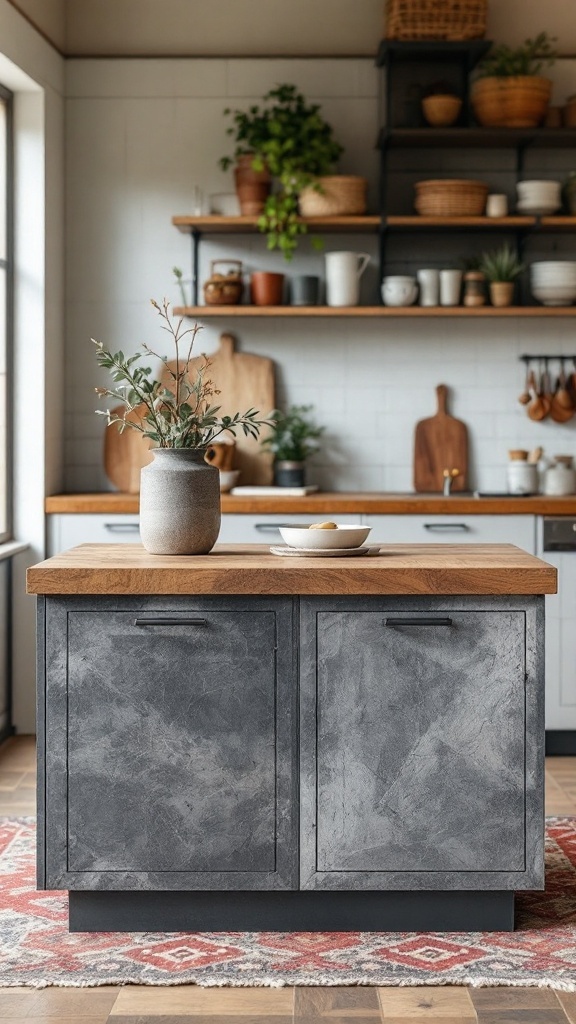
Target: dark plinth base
{"type": "Point", "coordinates": [291, 911]}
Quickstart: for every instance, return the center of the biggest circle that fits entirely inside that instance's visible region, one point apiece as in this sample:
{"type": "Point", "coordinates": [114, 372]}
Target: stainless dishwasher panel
{"type": "Point", "coordinates": [557, 545]}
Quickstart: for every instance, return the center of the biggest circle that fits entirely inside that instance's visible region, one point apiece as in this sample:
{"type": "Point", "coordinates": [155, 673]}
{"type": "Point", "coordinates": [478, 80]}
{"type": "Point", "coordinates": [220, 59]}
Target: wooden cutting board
{"type": "Point", "coordinates": [125, 453]}
{"type": "Point", "coordinates": [440, 442]}
{"type": "Point", "coordinates": [245, 382]}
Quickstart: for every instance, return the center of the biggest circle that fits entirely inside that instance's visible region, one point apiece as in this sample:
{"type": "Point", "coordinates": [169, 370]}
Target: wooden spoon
{"type": "Point", "coordinates": [561, 407]}
{"type": "Point", "coordinates": [539, 406]}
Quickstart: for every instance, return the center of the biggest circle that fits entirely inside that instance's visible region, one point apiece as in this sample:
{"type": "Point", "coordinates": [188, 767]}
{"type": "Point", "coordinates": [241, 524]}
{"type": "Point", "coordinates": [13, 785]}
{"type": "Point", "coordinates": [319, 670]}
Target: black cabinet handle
{"type": "Point", "coordinates": [449, 527]}
{"type": "Point", "coordinates": [170, 622]}
{"type": "Point", "coordinates": [122, 527]}
{"type": "Point", "coordinates": [418, 622]}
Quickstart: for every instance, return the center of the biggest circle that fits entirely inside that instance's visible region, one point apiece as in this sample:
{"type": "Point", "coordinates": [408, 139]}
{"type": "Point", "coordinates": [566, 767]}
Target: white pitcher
{"type": "Point", "coordinates": [343, 273]}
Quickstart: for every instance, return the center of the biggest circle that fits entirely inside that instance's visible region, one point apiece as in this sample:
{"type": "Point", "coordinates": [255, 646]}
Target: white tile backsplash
{"type": "Point", "coordinates": [140, 135]}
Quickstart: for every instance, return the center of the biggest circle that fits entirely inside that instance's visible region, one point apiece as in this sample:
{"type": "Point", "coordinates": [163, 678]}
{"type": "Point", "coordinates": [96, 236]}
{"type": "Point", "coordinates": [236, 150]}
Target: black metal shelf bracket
{"type": "Point", "coordinates": [196, 236]}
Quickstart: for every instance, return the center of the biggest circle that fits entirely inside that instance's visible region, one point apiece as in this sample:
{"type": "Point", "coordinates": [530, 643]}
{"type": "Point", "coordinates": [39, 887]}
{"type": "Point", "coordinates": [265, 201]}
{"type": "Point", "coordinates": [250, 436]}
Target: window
{"type": "Point", "coordinates": [6, 275]}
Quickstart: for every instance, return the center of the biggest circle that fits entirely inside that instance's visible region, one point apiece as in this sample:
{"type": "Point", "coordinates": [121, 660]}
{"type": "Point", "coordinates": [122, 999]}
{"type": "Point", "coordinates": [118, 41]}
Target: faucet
{"type": "Point", "coordinates": [449, 476]}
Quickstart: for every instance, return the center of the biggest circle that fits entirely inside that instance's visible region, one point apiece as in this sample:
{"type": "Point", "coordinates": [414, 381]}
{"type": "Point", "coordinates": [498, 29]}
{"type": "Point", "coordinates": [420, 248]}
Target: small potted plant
{"type": "Point", "coordinates": [501, 268]}
{"type": "Point", "coordinates": [292, 439]}
{"type": "Point", "coordinates": [510, 92]}
{"type": "Point", "coordinates": [290, 139]}
{"type": "Point", "coordinates": [180, 491]}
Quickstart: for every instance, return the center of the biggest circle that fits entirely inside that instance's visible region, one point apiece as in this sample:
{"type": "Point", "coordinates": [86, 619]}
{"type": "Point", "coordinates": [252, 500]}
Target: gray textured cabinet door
{"type": "Point", "coordinates": [172, 746]}
{"type": "Point", "coordinates": [413, 735]}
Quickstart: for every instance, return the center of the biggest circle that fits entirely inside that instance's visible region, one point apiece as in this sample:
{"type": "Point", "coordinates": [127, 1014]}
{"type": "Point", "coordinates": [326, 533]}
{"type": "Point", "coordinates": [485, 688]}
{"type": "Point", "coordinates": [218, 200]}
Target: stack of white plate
{"type": "Point", "coordinates": [539, 198]}
{"type": "Point", "coordinates": [553, 282]}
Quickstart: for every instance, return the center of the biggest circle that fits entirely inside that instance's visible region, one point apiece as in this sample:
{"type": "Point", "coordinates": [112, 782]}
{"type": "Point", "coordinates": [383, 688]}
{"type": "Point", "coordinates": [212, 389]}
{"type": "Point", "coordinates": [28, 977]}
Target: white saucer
{"type": "Point", "coordinates": [324, 552]}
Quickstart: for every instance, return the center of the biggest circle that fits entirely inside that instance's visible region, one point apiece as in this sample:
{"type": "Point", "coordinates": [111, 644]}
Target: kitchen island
{"type": "Point", "coordinates": [241, 741]}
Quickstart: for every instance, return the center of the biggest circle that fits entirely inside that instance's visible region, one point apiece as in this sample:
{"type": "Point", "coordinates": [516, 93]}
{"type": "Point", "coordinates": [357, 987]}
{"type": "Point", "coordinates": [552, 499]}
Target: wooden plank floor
{"type": "Point", "coordinates": [187, 1004]}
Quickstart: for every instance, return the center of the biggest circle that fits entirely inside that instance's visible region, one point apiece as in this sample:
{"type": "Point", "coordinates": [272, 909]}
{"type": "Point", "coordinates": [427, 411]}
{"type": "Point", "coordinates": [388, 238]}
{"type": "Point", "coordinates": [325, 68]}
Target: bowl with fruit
{"type": "Point", "coordinates": [325, 536]}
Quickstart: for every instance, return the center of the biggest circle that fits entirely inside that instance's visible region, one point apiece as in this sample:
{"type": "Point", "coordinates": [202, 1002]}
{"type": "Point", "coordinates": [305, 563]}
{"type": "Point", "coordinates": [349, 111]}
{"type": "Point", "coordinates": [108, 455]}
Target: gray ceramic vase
{"type": "Point", "coordinates": [179, 503]}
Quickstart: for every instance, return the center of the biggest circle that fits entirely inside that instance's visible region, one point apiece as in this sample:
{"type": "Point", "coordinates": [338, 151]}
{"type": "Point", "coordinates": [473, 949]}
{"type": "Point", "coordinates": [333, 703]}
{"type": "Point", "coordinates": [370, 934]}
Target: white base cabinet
{"type": "Point", "coordinates": [454, 529]}
{"type": "Point", "coordinates": [560, 639]}
{"type": "Point", "coordinates": [70, 529]}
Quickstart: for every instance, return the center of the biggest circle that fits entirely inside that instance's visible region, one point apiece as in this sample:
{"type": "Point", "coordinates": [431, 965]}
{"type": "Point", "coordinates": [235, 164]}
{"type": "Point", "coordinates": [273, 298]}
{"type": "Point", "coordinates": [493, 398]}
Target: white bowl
{"type": "Point", "coordinates": [539, 185]}
{"type": "Point", "coordinates": [538, 207]}
{"type": "Point", "coordinates": [554, 295]}
{"type": "Point", "coordinates": [228, 479]}
{"type": "Point", "coordinates": [347, 536]}
{"type": "Point", "coordinates": [399, 290]}
{"type": "Point", "coordinates": [554, 266]}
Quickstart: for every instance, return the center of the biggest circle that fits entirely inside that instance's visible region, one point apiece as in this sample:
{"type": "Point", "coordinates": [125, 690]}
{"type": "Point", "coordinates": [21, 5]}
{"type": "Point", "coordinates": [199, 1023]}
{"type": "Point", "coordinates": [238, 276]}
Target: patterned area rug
{"type": "Point", "coordinates": [36, 949]}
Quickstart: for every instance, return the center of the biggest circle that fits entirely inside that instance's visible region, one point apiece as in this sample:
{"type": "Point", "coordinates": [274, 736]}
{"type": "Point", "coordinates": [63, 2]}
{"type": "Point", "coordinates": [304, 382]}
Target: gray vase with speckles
{"type": "Point", "coordinates": [179, 503]}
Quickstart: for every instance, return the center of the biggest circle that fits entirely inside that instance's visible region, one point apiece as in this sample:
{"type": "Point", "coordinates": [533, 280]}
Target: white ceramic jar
{"type": "Point", "coordinates": [522, 478]}
{"type": "Point", "coordinates": [560, 478]}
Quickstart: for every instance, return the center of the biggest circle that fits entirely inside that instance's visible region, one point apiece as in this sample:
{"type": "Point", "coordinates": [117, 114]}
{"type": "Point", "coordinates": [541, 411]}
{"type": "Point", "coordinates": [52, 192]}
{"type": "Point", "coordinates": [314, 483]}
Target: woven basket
{"type": "Point", "coordinates": [450, 197]}
{"type": "Point", "coordinates": [342, 195]}
{"type": "Point", "coordinates": [436, 19]}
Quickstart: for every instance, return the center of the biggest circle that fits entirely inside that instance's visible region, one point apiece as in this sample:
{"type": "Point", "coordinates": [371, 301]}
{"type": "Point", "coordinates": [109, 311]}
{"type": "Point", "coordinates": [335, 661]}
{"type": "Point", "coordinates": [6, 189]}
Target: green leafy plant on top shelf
{"type": "Point", "coordinates": [294, 435]}
{"type": "Point", "coordinates": [175, 411]}
{"type": "Point", "coordinates": [528, 59]}
{"type": "Point", "coordinates": [501, 264]}
{"type": "Point", "coordinates": [292, 140]}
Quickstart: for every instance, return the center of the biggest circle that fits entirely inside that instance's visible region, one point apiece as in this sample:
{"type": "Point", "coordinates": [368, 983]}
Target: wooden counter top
{"type": "Point", "coordinates": [336, 502]}
{"type": "Point", "coordinates": [251, 569]}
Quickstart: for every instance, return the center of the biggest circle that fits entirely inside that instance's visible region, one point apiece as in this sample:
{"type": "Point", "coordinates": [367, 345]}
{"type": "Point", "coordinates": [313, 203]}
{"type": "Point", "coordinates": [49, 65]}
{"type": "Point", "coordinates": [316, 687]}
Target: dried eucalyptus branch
{"type": "Point", "coordinates": [180, 415]}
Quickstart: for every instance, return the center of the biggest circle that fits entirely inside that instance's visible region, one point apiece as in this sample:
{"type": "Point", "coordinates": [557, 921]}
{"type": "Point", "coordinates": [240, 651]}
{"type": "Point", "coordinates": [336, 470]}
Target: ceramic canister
{"type": "Point", "coordinates": [343, 273]}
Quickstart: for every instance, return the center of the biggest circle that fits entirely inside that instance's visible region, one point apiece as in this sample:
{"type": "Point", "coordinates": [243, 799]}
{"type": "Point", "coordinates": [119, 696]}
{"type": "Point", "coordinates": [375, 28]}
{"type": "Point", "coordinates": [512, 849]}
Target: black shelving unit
{"type": "Point", "coordinates": [410, 67]}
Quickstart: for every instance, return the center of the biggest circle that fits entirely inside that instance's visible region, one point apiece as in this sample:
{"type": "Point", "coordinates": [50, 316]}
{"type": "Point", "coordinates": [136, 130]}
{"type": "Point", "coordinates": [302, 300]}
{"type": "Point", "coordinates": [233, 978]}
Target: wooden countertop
{"type": "Point", "coordinates": [336, 502]}
{"type": "Point", "coordinates": [251, 569]}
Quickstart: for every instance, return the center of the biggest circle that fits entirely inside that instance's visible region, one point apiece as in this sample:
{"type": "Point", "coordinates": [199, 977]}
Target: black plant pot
{"type": "Point", "coordinates": [289, 474]}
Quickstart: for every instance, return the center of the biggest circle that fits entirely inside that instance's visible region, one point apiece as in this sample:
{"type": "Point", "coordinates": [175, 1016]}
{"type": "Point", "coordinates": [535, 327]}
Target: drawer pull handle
{"type": "Point", "coordinates": [170, 622]}
{"type": "Point", "coordinates": [418, 622]}
{"type": "Point", "coordinates": [269, 527]}
{"type": "Point", "coordinates": [449, 527]}
{"type": "Point", "coordinates": [122, 527]}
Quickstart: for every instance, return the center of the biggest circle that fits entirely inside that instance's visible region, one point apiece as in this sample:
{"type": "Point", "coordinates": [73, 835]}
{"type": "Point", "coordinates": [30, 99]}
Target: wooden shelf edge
{"type": "Point", "coordinates": [226, 312]}
{"type": "Point", "coordinates": [215, 224]}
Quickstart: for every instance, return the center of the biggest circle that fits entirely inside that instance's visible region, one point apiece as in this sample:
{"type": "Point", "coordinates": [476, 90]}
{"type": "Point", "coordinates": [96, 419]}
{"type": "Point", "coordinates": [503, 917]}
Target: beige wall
{"type": "Point", "coordinates": [47, 15]}
{"type": "Point", "coordinates": [272, 27]}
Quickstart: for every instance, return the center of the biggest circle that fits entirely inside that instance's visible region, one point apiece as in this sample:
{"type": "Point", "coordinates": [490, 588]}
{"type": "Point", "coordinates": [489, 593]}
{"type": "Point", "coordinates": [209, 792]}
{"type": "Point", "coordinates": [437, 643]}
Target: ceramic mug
{"type": "Point", "coordinates": [429, 281]}
{"type": "Point", "coordinates": [399, 290]}
{"type": "Point", "coordinates": [497, 205]}
{"type": "Point", "coordinates": [450, 287]}
{"type": "Point", "coordinates": [304, 290]}
{"type": "Point", "coordinates": [343, 273]}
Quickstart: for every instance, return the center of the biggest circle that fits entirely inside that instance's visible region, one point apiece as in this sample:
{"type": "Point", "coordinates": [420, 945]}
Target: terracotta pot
{"type": "Point", "coordinates": [520, 101]}
{"type": "Point", "coordinates": [502, 293]}
{"type": "Point", "coordinates": [441, 110]}
{"type": "Point", "coordinates": [252, 187]}
{"type": "Point", "coordinates": [267, 289]}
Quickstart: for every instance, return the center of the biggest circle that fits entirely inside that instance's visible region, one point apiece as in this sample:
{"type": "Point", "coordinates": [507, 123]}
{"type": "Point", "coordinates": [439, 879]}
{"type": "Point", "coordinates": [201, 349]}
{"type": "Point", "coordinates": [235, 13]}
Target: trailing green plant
{"type": "Point", "coordinates": [528, 59]}
{"type": "Point", "coordinates": [177, 414]}
{"type": "Point", "coordinates": [501, 264]}
{"type": "Point", "coordinates": [290, 137]}
{"type": "Point", "coordinates": [294, 435]}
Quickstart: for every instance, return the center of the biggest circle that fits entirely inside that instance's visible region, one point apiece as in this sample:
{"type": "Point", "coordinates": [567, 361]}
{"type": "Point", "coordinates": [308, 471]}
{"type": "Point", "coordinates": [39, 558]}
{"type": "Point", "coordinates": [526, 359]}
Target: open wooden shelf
{"type": "Point", "coordinates": [216, 225]}
{"type": "Point", "coordinates": [213, 224]}
{"type": "Point", "coordinates": [217, 312]}
{"type": "Point", "coordinates": [415, 222]}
